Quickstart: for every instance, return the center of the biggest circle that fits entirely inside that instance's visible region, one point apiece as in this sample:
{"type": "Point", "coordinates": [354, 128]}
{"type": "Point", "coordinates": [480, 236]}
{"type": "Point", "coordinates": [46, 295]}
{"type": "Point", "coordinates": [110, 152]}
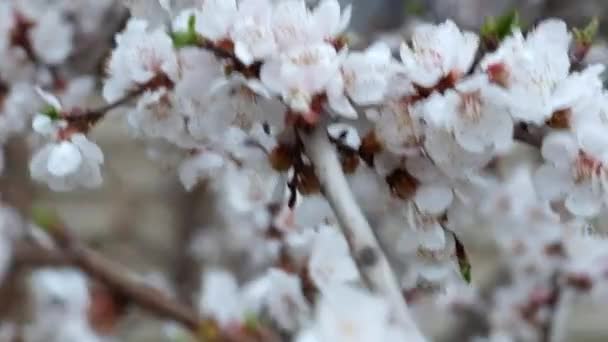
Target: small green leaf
{"type": "Point", "coordinates": [251, 321]}
{"type": "Point", "coordinates": [498, 28]}
{"type": "Point", "coordinates": [44, 217]}
{"type": "Point", "coordinates": [465, 270]}
{"type": "Point", "coordinates": [463, 260]}
{"type": "Point", "coordinates": [414, 7]}
{"type": "Point", "coordinates": [586, 35]}
{"type": "Point", "coordinates": [186, 38]}
{"type": "Point", "coordinates": [51, 112]}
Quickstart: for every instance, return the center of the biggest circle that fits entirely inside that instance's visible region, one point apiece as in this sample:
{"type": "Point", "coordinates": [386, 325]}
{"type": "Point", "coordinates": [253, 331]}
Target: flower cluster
{"type": "Point", "coordinates": [228, 93]}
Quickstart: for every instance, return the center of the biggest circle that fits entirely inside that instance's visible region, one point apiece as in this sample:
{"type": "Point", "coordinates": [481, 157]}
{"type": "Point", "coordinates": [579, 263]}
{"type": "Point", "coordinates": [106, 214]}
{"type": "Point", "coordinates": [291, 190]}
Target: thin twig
{"type": "Point", "coordinates": [528, 135]}
{"type": "Point", "coordinates": [364, 246]}
{"type": "Point", "coordinates": [74, 253]}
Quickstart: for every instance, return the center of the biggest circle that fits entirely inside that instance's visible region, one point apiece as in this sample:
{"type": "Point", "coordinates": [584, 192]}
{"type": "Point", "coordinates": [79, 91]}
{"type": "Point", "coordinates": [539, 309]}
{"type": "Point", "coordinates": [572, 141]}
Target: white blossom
{"type": "Point", "coordinates": [349, 314]}
{"type": "Point", "coordinates": [531, 70]}
{"type": "Point", "coordinates": [220, 297]}
{"type": "Point", "coordinates": [216, 19]}
{"type": "Point", "coordinates": [300, 73]}
{"type": "Point", "coordinates": [61, 300]}
{"type": "Point", "coordinates": [68, 164]}
{"type": "Point", "coordinates": [141, 55]}
{"type": "Point", "coordinates": [201, 166]}
{"type": "Point", "coordinates": [574, 170]}
{"type": "Point", "coordinates": [281, 295]}
{"type": "Point", "coordinates": [475, 112]}
{"type": "Point", "coordinates": [294, 24]}
{"type": "Point", "coordinates": [365, 78]}
{"type": "Point", "coordinates": [399, 127]}
{"type": "Point", "coordinates": [252, 32]}
{"type": "Point", "coordinates": [438, 51]}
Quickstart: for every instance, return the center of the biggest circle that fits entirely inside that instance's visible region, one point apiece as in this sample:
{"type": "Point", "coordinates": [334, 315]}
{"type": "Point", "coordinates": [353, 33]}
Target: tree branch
{"type": "Point", "coordinates": [532, 136]}
{"type": "Point", "coordinates": [74, 253]}
{"type": "Point", "coordinates": [364, 246]}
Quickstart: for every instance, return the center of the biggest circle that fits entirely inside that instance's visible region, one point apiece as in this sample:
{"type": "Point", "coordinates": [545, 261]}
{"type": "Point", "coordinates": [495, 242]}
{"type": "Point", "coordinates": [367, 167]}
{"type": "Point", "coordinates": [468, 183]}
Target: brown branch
{"type": "Point", "coordinates": [526, 134]}
{"type": "Point", "coordinates": [83, 120]}
{"type": "Point", "coordinates": [113, 276]}
{"type": "Point", "coordinates": [74, 253]}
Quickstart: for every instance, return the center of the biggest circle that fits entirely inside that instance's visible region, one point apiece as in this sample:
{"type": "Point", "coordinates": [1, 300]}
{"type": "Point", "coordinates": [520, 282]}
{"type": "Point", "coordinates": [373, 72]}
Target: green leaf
{"type": "Point", "coordinates": [186, 38]}
{"type": "Point", "coordinates": [587, 35]}
{"type": "Point", "coordinates": [51, 112]}
{"type": "Point", "coordinates": [463, 260]}
{"type": "Point", "coordinates": [465, 271]}
{"type": "Point", "coordinates": [498, 28]}
{"type": "Point", "coordinates": [414, 7]}
{"type": "Point", "coordinates": [44, 217]}
{"type": "Point", "coordinates": [251, 321]}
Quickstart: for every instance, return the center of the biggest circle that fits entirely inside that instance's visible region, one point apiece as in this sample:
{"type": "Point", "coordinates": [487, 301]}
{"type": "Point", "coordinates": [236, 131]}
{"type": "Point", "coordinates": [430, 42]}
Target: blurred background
{"type": "Point", "coordinates": [142, 217]}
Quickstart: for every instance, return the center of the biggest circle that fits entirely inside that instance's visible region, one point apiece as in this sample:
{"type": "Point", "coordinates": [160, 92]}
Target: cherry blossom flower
{"type": "Point", "coordinates": [300, 73]}
{"type": "Point", "coordinates": [293, 24]}
{"type": "Point", "coordinates": [450, 157]}
{"type": "Point", "coordinates": [65, 162]}
{"type": "Point", "coordinates": [475, 112]}
{"type": "Point", "coordinates": [216, 19]}
{"type": "Point", "coordinates": [203, 165]}
{"type": "Point", "coordinates": [574, 170]}
{"type": "Point", "coordinates": [350, 314]}
{"type": "Point", "coordinates": [399, 127]}
{"type": "Point", "coordinates": [220, 297]}
{"type": "Point", "coordinates": [281, 295]}
{"type": "Point", "coordinates": [531, 70]}
{"type": "Point", "coordinates": [364, 79]}
{"type": "Point", "coordinates": [155, 116]}
{"type": "Point", "coordinates": [68, 164]}
{"type": "Point", "coordinates": [438, 51]}
{"type": "Point", "coordinates": [61, 300]}
{"type": "Point", "coordinates": [252, 32]}
{"type": "Point", "coordinates": [141, 55]}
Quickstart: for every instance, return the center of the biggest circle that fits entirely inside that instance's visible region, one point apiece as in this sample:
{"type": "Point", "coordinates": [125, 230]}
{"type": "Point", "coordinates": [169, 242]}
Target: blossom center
{"type": "Point", "coordinates": [470, 106]}
{"type": "Point", "coordinates": [587, 168]}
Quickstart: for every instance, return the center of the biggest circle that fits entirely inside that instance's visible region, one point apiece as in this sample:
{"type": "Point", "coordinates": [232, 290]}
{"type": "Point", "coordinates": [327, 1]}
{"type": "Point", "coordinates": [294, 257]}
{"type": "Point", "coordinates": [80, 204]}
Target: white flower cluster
{"type": "Point", "coordinates": [226, 90]}
{"type": "Point", "coordinates": [37, 38]}
{"type": "Point", "coordinates": [61, 300]}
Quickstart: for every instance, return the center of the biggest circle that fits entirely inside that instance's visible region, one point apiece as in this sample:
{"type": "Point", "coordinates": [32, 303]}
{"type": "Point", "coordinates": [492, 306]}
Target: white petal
{"type": "Point", "coordinates": [43, 124]}
{"type": "Point", "coordinates": [433, 200]}
{"type": "Point", "coordinates": [552, 183]}
{"type": "Point", "coordinates": [593, 139]}
{"type": "Point", "coordinates": [559, 148]}
{"type": "Point", "coordinates": [49, 98]}
{"type": "Point", "coordinates": [431, 236]}
{"type": "Point", "coordinates": [342, 106]}
{"type": "Point", "coordinates": [90, 150]}
{"type": "Point", "coordinates": [64, 159]}
{"type": "Point", "coordinates": [243, 53]}
{"type": "Point", "coordinates": [582, 201]}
